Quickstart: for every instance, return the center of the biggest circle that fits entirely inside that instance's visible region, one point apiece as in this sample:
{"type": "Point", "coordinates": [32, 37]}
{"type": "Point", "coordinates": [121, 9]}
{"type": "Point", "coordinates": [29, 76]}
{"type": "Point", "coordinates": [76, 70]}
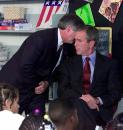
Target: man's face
{"type": "Point", "coordinates": [68, 35]}
{"type": "Point", "coordinates": [82, 46]}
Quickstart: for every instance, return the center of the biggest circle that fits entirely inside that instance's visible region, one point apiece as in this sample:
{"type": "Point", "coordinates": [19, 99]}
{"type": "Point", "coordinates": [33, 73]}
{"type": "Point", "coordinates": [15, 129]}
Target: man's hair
{"type": "Point", "coordinates": [60, 110]}
{"type": "Point", "coordinates": [7, 92]}
{"type": "Point", "coordinates": [92, 33]}
{"type": "Point", "coordinates": [70, 20]}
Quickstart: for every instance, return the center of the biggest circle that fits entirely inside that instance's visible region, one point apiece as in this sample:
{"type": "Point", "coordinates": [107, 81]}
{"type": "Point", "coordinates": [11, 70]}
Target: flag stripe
{"type": "Point", "coordinates": [57, 9]}
{"type": "Point", "coordinates": [49, 13]}
{"type": "Point", "coordinates": [41, 16]}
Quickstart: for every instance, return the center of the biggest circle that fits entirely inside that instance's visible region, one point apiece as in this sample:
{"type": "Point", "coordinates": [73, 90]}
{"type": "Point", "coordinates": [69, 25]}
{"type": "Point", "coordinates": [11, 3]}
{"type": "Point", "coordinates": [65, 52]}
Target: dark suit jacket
{"type": "Point", "coordinates": [105, 82]}
{"type": "Point", "coordinates": [32, 63]}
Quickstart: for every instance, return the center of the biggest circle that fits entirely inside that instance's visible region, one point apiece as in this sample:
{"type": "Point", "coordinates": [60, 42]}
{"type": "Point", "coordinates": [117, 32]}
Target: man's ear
{"type": "Point", "coordinates": [92, 43]}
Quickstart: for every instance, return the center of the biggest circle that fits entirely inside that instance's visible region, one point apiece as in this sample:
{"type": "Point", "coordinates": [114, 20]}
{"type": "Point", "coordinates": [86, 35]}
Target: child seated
{"type": "Point", "coordinates": [9, 117]}
{"type": "Point", "coordinates": [63, 114]}
{"type": "Point", "coordinates": [36, 122]}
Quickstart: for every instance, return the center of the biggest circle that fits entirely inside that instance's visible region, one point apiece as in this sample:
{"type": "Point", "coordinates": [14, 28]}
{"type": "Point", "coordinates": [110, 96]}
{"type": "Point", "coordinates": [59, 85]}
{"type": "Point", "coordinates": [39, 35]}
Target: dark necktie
{"type": "Point", "coordinates": [86, 76]}
{"type": "Point", "coordinates": [56, 60]}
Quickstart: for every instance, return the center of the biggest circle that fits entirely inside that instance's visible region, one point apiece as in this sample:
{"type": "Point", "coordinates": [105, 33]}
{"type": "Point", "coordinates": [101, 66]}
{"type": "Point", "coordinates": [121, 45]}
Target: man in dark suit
{"type": "Point", "coordinates": [103, 91]}
{"type": "Point", "coordinates": [31, 67]}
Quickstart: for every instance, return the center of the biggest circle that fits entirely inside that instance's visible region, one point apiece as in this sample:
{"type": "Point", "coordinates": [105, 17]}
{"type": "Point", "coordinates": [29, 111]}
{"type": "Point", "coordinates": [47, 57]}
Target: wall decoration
{"type": "Point", "coordinates": [50, 8]}
{"type": "Point", "coordinates": [110, 8]}
{"type": "Point", "coordinates": [104, 46]}
{"type": "Point", "coordinates": [85, 14]}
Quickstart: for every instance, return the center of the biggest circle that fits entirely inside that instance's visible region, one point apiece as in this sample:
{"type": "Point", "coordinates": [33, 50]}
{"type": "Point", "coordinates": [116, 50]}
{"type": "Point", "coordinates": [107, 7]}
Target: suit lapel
{"type": "Point", "coordinates": [98, 64]}
{"type": "Point", "coordinates": [77, 70]}
{"type": "Point", "coordinates": [78, 63]}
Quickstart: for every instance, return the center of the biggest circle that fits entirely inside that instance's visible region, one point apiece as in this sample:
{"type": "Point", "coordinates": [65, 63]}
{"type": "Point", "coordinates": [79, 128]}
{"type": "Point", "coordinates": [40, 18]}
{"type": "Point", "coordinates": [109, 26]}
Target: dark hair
{"type": "Point", "coordinates": [92, 33]}
{"type": "Point", "coordinates": [116, 123]}
{"type": "Point", "coordinates": [60, 110]}
{"type": "Point", "coordinates": [70, 20]}
{"type": "Point", "coordinates": [7, 91]}
{"type": "Point", "coordinates": [32, 122]}
{"type": "Point", "coordinates": [35, 122]}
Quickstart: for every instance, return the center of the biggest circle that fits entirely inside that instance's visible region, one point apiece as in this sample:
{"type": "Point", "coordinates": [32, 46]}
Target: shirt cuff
{"type": "Point", "coordinates": [100, 100]}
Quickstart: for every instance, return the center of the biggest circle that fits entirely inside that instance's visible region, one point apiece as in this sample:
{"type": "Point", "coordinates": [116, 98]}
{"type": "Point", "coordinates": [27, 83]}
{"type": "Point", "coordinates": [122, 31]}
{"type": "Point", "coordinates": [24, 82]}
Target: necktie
{"type": "Point", "coordinates": [58, 57]}
{"type": "Point", "coordinates": [86, 76]}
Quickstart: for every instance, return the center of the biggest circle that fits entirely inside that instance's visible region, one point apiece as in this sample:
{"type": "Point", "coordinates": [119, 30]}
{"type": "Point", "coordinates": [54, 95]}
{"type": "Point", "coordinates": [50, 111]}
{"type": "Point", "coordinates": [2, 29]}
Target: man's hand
{"type": "Point", "coordinates": [91, 101]}
{"type": "Point", "coordinates": [42, 87]}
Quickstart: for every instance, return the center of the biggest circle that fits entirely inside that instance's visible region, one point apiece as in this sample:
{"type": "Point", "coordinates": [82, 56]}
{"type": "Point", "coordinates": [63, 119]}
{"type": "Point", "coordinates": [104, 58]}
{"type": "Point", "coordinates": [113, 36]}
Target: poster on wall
{"type": "Point", "coordinates": [50, 9]}
{"type": "Point", "coordinates": [109, 9]}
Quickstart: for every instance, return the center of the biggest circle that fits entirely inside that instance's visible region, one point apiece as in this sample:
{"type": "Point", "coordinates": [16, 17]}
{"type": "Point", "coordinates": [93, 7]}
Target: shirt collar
{"type": "Point", "coordinates": [92, 57]}
{"type": "Point", "coordinates": [60, 42]}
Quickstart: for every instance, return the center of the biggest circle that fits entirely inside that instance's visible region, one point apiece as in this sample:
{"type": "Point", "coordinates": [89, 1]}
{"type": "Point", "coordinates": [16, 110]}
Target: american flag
{"type": "Point", "coordinates": [49, 8]}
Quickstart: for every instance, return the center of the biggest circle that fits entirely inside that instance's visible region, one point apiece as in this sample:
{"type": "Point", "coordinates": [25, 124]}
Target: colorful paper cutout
{"type": "Point", "coordinates": [109, 9]}
{"type": "Point", "coordinates": [85, 14]}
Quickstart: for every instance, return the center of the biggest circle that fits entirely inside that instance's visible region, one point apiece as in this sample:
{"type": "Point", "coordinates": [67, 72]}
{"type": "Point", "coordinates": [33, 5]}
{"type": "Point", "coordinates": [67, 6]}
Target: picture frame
{"type": "Point", "coordinates": [104, 45]}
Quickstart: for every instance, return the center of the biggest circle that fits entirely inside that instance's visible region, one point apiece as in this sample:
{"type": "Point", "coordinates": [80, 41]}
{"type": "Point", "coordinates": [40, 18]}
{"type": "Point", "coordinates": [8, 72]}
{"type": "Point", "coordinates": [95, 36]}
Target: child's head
{"type": "Point", "coordinates": [63, 114]}
{"type": "Point", "coordinates": [36, 122]}
{"type": "Point", "coordinates": [9, 97]}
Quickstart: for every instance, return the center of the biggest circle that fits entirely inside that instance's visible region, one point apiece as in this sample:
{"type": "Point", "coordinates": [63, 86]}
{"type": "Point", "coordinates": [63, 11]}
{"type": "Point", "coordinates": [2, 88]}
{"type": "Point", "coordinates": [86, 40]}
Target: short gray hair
{"type": "Point", "coordinates": [92, 33]}
{"type": "Point", "coordinates": [70, 20]}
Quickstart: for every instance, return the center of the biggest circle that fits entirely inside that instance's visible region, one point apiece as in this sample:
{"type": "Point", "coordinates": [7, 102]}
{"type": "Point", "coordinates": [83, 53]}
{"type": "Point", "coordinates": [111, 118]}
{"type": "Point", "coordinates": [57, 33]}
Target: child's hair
{"type": "Point", "coordinates": [7, 91]}
{"type": "Point", "coordinates": [60, 110]}
{"type": "Point", "coordinates": [36, 122]}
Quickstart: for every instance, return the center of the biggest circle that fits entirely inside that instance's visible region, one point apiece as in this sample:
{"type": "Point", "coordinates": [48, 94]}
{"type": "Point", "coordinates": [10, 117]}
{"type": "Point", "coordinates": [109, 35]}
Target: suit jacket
{"type": "Point", "coordinates": [32, 63]}
{"type": "Point", "coordinates": [105, 83]}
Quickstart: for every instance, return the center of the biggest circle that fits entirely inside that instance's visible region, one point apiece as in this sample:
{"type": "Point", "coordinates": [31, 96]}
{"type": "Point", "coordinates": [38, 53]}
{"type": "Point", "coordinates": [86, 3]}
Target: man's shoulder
{"type": "Point", "coordinates": [44, 33]}
{"type": "Point", "coordinates": [49, 30]}
{"type": "Point", "coordinates": [73, 59]}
